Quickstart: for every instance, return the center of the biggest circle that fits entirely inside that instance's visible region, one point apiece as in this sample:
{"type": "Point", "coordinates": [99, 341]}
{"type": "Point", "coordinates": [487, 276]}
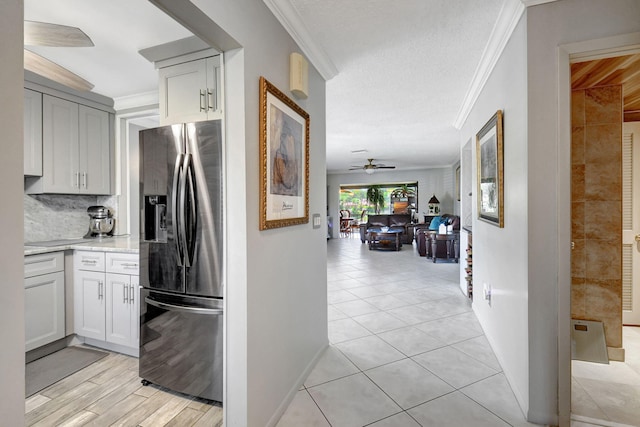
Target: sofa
{"type": "Point", "coordinates": [425, 232]}
{"type": "Point", "coordinates": [393, 221]}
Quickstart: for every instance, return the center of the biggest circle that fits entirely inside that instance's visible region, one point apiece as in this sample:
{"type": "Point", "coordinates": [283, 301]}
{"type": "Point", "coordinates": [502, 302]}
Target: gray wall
{"type": "Point", "coordinates": [276, 279]}
{"type": "Point", "coordinates": [11, 250]}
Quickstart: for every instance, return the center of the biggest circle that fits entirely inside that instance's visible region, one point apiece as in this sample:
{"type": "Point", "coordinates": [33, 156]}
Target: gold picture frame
{"type": "Point", "coordinates": [490, 171]}
{"type": "Point", "coordinates": [284, 160]}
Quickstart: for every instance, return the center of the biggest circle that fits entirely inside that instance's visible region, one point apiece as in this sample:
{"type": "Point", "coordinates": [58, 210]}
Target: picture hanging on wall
{"type": "Point", "coordinates": [489, 154]}
{"type": "Point", "coordinates": [284, 160]}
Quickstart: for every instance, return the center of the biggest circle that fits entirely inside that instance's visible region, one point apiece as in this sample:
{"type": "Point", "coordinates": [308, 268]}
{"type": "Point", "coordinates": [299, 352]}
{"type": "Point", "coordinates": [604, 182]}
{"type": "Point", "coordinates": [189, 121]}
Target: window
{"type": "Point", "coordinates": [404, 196]}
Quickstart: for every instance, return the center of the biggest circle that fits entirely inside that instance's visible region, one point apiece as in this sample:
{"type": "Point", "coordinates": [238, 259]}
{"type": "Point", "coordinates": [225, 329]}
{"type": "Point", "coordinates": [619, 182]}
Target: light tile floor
{"type": "Point", "coordinates": [406, 349]}
{"type": "Point", "coordinates": [608, 395]}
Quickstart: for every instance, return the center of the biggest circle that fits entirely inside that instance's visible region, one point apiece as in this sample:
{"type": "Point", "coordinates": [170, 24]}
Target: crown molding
{"type": "Point", "coordinates": [508, 18]}
{"type": "Point", "coordinates": [529, 3]}
{"type": "Point", "coordinates": [136, 101]}
{"type": "Point", "coordinates": [290, 19]}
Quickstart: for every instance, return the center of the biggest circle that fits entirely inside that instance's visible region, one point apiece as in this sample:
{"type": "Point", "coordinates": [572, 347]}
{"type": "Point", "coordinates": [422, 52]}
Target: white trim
{"type": "Point", "coordinates": [507, 21]}
{"type": "Point", "coordinates": [290, 19]}
{"type": "Point", "coordinates": [529, 3]}
{"type": "Point", "coordinates": [136, 101]}
{"type": "Point", "coordinates": [628, 44]}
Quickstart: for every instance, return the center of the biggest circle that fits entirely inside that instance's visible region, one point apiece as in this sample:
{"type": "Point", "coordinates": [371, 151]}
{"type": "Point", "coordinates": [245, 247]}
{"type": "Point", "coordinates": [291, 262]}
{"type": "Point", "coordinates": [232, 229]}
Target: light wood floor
{"type": "Point", "coordinates": [109, 393]}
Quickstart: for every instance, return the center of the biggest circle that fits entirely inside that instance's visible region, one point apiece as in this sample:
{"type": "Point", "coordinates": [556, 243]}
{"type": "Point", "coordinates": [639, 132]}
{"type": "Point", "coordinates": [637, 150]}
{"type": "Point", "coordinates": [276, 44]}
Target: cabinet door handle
{"type": "Point", "coordinates": [100, 291]}
{"type": "Point", "coordinates": [84, 179]}
{"type": "Point", "coordinates": [132, 293]}
{"type": "Point", "coordinates": [203, 100]}
{"type": "Point", "coordinates": [212, 100]}
{"type": "Point", "coordinates": [124, 294]}
{"type": "Point", "coordinates": [77, 179]}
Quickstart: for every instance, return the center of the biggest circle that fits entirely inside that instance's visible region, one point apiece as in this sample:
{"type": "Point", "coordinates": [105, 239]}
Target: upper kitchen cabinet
{"type": "Point", "coordinates": [191, 91]}
{"type": "Point", "coordinates": [77, 149]}
{"type": "Point", "coordinates": [32, 133]}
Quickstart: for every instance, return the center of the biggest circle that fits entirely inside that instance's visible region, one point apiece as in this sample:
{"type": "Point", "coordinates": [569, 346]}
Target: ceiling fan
{"type": "Point", "coordinates": [371, 167]}
{"type": "Point", "coordinates": [45, 34]}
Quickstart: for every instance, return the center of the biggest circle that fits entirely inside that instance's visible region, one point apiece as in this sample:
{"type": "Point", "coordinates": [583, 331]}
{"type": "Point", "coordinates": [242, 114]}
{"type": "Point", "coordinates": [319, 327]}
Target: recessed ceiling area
{"type": "Point", "coordinates": [620, 70]}
{"type": "Point", "coordinates": [118, 29]}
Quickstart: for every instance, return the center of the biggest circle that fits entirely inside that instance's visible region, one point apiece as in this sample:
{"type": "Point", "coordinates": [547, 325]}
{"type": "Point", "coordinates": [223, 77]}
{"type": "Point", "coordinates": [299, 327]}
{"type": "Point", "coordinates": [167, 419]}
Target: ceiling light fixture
{"type": "Point", "coordinates": [369, 171]}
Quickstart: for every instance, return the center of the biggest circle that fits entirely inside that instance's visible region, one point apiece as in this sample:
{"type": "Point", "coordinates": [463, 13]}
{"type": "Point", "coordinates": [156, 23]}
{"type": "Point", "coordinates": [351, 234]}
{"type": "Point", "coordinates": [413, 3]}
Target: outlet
{"type": "Point", "coordinates": [486, 291]}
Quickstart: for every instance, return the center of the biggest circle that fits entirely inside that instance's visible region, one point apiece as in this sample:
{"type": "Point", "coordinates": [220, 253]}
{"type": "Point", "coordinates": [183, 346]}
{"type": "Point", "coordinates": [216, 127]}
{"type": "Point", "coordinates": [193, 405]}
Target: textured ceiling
{"type": "Point", "coordinates": [404, 68]}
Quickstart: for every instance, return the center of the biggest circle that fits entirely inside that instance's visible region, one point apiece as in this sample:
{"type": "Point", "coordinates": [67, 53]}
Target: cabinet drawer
{"type": "Point", "coordinates": [35, 265]}
{"type": "Point", "coordinates": [122, 263]}
{"type": "Point", "coordinates": [88, 260]}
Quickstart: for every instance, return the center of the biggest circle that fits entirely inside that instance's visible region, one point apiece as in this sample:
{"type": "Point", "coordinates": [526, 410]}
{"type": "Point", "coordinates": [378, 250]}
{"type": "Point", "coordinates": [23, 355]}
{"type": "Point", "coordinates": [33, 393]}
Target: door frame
{"type": "Point", "coordinates": [587, 50]}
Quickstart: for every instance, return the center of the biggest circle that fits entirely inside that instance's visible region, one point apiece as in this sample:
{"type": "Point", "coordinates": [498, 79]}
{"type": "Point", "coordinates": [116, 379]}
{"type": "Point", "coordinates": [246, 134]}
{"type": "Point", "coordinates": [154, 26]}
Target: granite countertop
{"type": "Point", "coordinates": [126, 244]}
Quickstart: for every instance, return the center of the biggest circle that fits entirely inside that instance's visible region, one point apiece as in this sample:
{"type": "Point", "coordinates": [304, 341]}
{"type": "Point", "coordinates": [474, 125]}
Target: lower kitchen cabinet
{"type": "Point", "coordinates": [106, 299]}
{"type": "Point", "coordinates": [43, 299]}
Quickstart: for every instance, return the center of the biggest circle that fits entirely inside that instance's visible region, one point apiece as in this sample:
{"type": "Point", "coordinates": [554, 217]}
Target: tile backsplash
{"type": "Point", "coordinates": [59, 216]}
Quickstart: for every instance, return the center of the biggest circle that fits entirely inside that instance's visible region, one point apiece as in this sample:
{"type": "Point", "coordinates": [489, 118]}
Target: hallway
{"type": "Point", "coordinates": [406, 349]}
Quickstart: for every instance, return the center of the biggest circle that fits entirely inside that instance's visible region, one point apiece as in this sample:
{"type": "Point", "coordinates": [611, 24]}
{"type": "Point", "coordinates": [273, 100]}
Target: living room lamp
{"type": "Point", "coordinates": [434, 206]}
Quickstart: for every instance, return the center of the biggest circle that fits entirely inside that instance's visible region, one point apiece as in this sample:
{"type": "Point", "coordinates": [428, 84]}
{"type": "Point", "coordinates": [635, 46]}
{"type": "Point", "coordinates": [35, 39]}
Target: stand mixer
{"type": "Point", "coordinates": [101, 223]}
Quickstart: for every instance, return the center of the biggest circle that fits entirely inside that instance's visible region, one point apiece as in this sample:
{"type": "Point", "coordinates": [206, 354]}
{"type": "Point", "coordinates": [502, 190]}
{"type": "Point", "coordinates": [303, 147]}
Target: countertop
{"type": "Point", "coordinates": [125, 244]}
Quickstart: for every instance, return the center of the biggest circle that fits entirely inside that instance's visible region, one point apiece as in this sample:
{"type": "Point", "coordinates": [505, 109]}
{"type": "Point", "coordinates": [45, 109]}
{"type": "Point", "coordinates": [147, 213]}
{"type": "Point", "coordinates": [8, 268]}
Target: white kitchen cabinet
{"type": "Point", "coordinates": [191, 91]}
{"type": "Point", "coordinates": [32, 133]}
{"type": "Point", "coordinates": [76, 147]}
{"type": "Point", "coordinates": [44, 299]}
{"type": "Point", "coordinates": [106, 299]}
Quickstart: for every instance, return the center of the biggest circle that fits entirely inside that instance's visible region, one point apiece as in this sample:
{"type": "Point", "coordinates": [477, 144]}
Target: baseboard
{"type": "Point", "coordinates": [297, 386]}
{"type": "Point", "coordinates": [129, 351]}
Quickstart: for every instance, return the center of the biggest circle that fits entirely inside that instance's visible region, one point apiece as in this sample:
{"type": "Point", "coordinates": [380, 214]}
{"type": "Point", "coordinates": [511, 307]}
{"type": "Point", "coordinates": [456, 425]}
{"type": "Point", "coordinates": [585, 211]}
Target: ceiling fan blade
{"type": "Point", "coordinates": [385, 167]}
{"type": "Point", "coordinates": [39, 65]}
{"type": "Point", "coordinates": [356, 168]}
{"type": "Point", "coordinates": [45, 34]}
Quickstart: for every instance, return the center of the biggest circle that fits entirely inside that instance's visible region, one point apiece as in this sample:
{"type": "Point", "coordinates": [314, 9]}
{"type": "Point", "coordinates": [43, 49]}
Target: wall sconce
{"type": "Point", "coordinates": [298, 75]}
{"type": "Point", "coordinates": [434, 206]}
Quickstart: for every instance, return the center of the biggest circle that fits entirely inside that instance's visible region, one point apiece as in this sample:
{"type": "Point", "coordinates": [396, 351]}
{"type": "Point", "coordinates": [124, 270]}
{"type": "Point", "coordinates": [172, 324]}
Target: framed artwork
{"type": "Point", "coordinates": [489, 154]}
{"type": "Point", "coordinates": [284, 160]}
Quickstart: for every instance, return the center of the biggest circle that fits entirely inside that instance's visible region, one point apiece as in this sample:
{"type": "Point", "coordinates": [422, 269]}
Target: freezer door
{"type": "Point", "coordinates": [181, 343]}
{"type": "Point", "coordinates": [161, 156]}
{"type": "Point", "coordinates": [203, 208]}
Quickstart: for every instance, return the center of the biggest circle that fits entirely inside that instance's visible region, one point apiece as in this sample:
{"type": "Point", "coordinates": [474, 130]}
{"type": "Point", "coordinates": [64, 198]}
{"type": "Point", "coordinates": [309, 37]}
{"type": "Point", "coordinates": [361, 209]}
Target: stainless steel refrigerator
{"type": "Point", "coordinates": [181, 226]}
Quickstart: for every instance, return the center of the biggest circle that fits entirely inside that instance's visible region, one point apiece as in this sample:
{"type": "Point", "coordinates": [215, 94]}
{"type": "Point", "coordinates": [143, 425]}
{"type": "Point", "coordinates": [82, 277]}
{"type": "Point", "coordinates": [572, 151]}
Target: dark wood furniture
{"type": "Point", "coordinates": [452, 243]}
{"type": "Point", "coordinates": [381, 239]}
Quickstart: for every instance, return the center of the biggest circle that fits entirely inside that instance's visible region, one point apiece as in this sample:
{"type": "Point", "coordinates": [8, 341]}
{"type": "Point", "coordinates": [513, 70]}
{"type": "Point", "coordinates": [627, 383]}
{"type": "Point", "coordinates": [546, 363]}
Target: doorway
{"type": "Point", "coordinates": [605, 278]}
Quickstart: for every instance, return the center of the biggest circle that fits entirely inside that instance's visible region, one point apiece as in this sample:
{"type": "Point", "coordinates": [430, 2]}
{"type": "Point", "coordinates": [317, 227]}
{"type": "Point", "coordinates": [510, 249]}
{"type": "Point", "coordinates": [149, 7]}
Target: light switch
{"type": "Point", "coordinates": [316, 220]}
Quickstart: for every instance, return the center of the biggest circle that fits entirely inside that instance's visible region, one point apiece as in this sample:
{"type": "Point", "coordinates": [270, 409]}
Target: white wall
{"type": "Point", "coordinates": [276, 279]}
{"type": "Point", "coordinates": [11, 251]}
{"type": "Point", "coordinates": [500, 254]}
{"type": "Point", "coordinates": [438, 181]}
{"type": "Point", "coordinates": [549, 26]}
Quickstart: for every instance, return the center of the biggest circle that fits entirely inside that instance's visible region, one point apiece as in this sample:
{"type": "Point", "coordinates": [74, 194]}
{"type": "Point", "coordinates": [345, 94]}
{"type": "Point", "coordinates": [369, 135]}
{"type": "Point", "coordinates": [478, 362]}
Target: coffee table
{"type": "Point", "coordinates": [376, 237]}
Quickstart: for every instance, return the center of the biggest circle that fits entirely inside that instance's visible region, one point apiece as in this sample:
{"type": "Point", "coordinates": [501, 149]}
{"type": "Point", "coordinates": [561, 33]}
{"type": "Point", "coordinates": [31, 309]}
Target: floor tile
{"type": "Point", "coordinates": [455, 410]}
{"type": "Point", "coordinates": [386, 302]}
{"type": "Point", "coordinates": [346, 329]}
{"type": "Point", "coordinates": [355, 308]}
{"type": "Point", "coordinates": [480, 349]}
{"type": "Point", "coordinates": [619, 402]}
{"type": "Point", "coordinates": [369, 352]}
{"type": "Point", "coordinates": [411, 341]}
{"type": "Point", "coordinates": [454, 367]}
{"type": "Point", "coordinates": [366, 291]}
{"type": "Point", "coordinates": [408, 383]}
{"type": "Point", "coordinates": [303, 412]}
{"type": "Point", "coordinates": [335, 297]}
{"type": "Point", "coordinates": [334, 314]}
{"type": "Point", "coordinates": [453, 329]}
{"type": "Point", "coordinates": [353, 401]}
{"type": "Point", "coordinates": [398, 420]}
{"type": "Point", "coordinates": [412, 314]}
{"type": "Point", "coordinates": [583, 404]}
{"type": "Point", "coordinates": [331, 365]}
{"type": "Point", "coordinates": [379, 322]}
{"type": "Point", "coordinates": [495, 394]}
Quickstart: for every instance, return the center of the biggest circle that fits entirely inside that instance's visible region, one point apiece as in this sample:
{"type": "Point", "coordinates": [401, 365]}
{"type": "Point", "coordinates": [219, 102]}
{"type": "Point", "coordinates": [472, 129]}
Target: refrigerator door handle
{"type": "Point", "coordinates": [174, 209]}
{"type": "Point", "coordinates": [192, 310]}
{"type": "Point", "coordinates": [193, 217]}
{"type": "Point", "coordinates": [184, 177]}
